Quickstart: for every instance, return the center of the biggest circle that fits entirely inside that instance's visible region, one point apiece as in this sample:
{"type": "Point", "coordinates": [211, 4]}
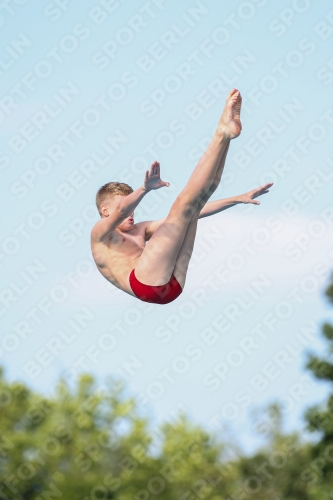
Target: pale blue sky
{"type": "Point", "coordinates": [213, 39]}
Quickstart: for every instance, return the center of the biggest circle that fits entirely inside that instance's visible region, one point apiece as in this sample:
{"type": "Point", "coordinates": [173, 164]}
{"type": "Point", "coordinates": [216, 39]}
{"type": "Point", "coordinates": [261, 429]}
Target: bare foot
{"type": "Point", "coordinates": [230, 124]}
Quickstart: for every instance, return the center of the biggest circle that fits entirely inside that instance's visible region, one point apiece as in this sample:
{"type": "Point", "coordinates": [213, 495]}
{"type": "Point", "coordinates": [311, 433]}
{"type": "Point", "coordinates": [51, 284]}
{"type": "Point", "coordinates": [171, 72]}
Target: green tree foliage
{"type": "Point", "coordinates": [320, 418]}
{"type": "Point", "coordinates": [89, 442]}
{"type": "Point", "coordinates": [276, 472]}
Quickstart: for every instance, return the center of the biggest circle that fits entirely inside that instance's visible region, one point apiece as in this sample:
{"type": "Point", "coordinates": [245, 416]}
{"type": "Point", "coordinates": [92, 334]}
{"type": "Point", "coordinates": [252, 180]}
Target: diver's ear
{"type": "Point", "coordinates": [104, 211]}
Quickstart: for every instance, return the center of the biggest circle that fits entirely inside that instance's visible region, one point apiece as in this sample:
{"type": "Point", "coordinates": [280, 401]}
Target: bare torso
{"type": "Point", "coordinates": [117, 255]}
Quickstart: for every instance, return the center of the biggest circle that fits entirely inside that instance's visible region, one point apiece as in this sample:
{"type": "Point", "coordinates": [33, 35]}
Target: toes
{"type": "Point", "coordinates": [236, 96]}
{"type": "Point", "coordinates": [233, 91]}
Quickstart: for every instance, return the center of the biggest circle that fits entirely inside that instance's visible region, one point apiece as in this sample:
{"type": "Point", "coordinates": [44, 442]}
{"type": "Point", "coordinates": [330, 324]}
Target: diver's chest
{"type": "Point", "coordinates": [131, 242]}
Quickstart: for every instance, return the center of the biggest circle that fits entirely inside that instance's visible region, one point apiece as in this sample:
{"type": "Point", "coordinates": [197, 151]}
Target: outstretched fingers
{"type": "Point", "coordinates": [260, 191]}
{"type": "Point", "coordinates": [158, 173]}
{"type": "Point", "coordinates": [267, 186]}
{"type": "Point", "coordinates": [154, 169]}
{"type": "Point", "coordinates": [153, 178]}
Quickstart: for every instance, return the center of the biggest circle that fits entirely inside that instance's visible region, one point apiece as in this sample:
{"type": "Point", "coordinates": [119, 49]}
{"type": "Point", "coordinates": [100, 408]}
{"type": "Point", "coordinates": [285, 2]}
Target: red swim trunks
{"type": "Point", "coordinates": [162, 294]}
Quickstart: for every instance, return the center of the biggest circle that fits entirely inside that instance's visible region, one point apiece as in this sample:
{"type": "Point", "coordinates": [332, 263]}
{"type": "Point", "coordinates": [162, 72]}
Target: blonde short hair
{"type": "Point", "coordinates": [111, 189]}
